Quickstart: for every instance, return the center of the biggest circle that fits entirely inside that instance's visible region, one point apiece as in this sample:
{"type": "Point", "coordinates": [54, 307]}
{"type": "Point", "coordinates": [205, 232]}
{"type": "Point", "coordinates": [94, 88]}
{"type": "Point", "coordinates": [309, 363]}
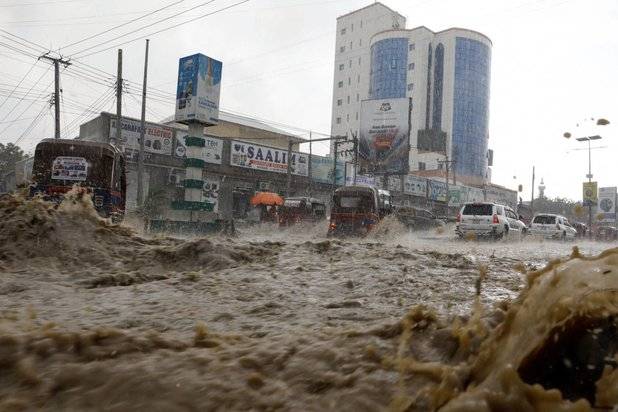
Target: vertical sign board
{"type": "Point", "coordinates": [198, 90]}
{"type": "Point", "coordinates": [384, 143]}
{"type": "Point", "coordinates": [590, 193]}
{"type": "Point", "coordinates": [607, 204]}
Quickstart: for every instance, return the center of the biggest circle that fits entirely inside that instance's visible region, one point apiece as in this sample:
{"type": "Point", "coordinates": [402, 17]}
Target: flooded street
{"type": "Point", "coordinates": [96, 317]}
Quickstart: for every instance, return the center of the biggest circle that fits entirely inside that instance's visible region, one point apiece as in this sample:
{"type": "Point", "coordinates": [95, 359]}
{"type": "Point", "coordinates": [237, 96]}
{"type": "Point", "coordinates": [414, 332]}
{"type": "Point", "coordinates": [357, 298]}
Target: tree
{"type": "Point", "coordinates": [9, 155]}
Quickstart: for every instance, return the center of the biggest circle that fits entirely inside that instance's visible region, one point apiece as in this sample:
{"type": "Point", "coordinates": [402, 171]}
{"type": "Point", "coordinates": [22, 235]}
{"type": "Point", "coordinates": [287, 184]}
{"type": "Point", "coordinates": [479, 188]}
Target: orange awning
{"type": "Point", "coordinates": [266, 198]}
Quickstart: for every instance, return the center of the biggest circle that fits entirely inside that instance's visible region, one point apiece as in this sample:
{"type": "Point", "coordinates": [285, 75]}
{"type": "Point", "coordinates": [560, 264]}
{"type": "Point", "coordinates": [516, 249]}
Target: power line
{"type": "Point", "coordinates": [168, 28]}
{"type": "Point", "coordinates": [18, 84]}
{"type": "Point", "coordinates": [27, 93]}
{"type": "Point", "coordinates": [121, 25]}
{"type": "Point", "coordinates": [146, 26]}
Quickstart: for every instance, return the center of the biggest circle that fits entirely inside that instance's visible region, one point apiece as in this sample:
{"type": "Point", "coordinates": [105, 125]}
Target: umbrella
{"type": "Point", "coordinates": [266, 198]}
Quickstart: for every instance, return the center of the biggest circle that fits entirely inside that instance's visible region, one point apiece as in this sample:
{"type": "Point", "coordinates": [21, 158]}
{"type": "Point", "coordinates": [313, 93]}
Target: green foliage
{"type": "Point", "coordinates": [9, 155]}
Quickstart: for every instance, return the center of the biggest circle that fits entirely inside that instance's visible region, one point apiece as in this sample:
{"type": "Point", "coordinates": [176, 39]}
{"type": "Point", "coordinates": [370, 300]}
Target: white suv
{"type": "Point", "coordinates": [552, 226]}
{"type": "Point", "coordinates": [488, 219]}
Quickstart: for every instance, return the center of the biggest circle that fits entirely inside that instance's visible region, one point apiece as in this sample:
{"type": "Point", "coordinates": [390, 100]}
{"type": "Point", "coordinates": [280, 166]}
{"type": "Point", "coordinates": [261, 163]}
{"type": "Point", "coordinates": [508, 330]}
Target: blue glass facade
{"type": "Point", "coordinates": [438, 81]}
{"type": "Point", "coordinates": [471, 107]}
{"type": "Point", "coordinates": [389, 64]}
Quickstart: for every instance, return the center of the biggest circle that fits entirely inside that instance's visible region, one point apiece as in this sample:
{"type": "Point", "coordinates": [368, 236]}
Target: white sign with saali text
{"type": "Point", "coordinates": [70, 168]}
{"type": "Point", "coordinates": [269, 159]}
{"type": "Point", "coordinates": [212, 152]}
{"type": "Point", "coordinates": [157, 139]}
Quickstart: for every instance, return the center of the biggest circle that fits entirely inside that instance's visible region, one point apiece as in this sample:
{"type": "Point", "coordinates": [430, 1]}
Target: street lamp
{"type": "Point", "coordinates": [589, 175]}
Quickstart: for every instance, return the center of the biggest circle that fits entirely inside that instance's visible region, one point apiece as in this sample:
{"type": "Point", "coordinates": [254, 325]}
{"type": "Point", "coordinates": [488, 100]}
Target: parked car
{"type": "Point", "coordinates": [606, 233]}
{"type": "Point", "coordinates": [486, 219]}
{"type": "Point", "coordinates": [552, 226]}
{"type": "Point", "coordinates": [417, 218]}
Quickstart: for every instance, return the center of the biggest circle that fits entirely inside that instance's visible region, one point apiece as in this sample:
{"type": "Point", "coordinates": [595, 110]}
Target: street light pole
{"type": "Point", "coordinates": [589, 175]}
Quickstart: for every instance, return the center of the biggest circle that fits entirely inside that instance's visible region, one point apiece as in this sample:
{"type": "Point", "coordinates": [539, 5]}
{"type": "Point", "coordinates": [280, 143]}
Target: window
{"type": "Point", "coordinates": [349, 81]}
{"type": "Point", "coordinates": [356, 115]}
{"type": "Point", "coordinates": [411, 47]}
{"type": "Point", "coordinates": [352, 26]}
{"type": "Point", "coordinates": [359, 60]}
{"type": "Point", "coordinates": [410, 87]}
{"type": "Point", "coordinates": [357, 97]}
{"type": "Point", "coordinates": [393, 64]}
{"type": "Point", "coordinates": [411, 66]}
{"type": "Point", "coordinates": [500, 210]}
{"type": "Point", "coordinates": [340, 84]}
{"type": "Point", "coordinates": [360, 42]}
{"type": "Point", "coordinates": [343, 31]}
{"type": "Point", "coordinates": [341, 67]}
{"type": "Point", "coordinates": [348, 99]}
{"type": "Point", "coordinates": [481, 209]}
{"type": "Point", "coordinates": [421, 166]}
{"type": "Point", "coordinates": [440, 166]}
{"type": "Point", "coordinates": [347, 117]}
{"type": "Point", "coordinates": [361, 23]}
{"type": "Point", "coordinates": [342, 49]}
{"type": "Point", "coordinates": [358, 79]}
{"type": "Point", "coordinates": [339, 120]}
{"type": "Point", "coordinates": [350, 64]}
{"type": "Point", "coordinates": [339, 102]}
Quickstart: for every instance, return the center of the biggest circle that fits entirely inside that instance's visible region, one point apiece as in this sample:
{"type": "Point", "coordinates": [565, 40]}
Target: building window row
{"type": "Point", "coordinates": [345, 29]}
{"type": "Point", "coordinates": [341, 67]}
{"type": "Point", "coordinates": [340, 84]}
{"type": "Point", "coordinates": [421, 165]}
{"type": "Point", "coordinates": [339, 102]}
{"type": "Point", "coordinates": [411, 66]}
{"type": "Point", "coordinates": [411, 47]}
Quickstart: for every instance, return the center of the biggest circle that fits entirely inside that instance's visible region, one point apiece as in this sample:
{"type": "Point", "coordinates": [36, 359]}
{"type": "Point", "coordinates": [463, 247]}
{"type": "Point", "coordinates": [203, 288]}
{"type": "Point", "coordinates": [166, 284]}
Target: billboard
{"type": "Point", "coordinates": [269, 159]}
{"type": "Point", "coordinates": [607, 204]}
{"type": "Point", "coordinates": [590, 193]}
{"type": "Point", "coordinates": [157, 139]}
{"type": "Point", "coordinates": [212, 152]}
{"type": "Point", "coordinates": [384, 142]}
{"type": "Point", "coordinates": [437, 190]}
{"type": "Point", "coordinates": [198, 89]}
{"type": "Point", "coordinates": [416, 186]}
{"type": "Point", "coordinates": [361, 180]}
{"type": "Point", "coordinates": [322, 170]}
{"type": "Point", "coordinates": [394, 183]}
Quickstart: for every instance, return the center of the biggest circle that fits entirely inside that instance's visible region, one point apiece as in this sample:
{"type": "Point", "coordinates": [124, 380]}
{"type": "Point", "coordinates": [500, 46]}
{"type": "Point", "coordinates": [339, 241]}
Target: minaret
{"type": "Point", "coordinates": [542, 190]}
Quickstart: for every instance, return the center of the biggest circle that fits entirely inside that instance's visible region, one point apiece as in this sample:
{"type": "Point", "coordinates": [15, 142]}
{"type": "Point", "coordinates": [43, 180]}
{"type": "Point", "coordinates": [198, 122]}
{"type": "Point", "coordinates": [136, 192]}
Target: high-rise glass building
{"type": "Point", "coordinates": [447, 75]}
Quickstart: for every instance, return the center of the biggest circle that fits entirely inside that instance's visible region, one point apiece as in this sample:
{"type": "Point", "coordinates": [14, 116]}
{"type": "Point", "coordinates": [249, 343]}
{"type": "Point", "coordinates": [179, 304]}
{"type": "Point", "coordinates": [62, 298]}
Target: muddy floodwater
{"type": "Point", "coordinates": [96, 317]}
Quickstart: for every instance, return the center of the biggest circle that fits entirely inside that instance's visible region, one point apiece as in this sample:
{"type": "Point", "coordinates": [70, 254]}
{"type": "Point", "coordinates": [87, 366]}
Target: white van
{"type": "Point", "coordinates": [552, 226]}
{"type": "Point", "coordinates": [488, 219]}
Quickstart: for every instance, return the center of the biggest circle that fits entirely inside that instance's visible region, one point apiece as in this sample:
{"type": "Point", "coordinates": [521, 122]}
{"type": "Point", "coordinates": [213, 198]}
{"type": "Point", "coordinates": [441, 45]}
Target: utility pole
{"type": "Point", "coordinates": [140, 158]}
{"type": "Point", "coordinates": [310, 160]}
{"type": "Point", "coordinates": [336, 145]}
{"type": "Point", "coordinates": [57, 62]}
{"type": "Point", "coordinates": [355, 139]}
{"type": "Point", "coordinates": [118, 137]}
{"type": "Point", "coordinates": [289, 171]}
{"type": "Point", "coordinates": [532, 198]}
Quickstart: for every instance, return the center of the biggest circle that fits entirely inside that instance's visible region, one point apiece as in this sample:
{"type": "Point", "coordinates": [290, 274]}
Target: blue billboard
{"type": "Point", "coordinates": [198, 90]}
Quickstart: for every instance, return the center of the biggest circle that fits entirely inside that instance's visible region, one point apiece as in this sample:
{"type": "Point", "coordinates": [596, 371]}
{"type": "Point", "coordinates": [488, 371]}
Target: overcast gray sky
{"type": "Point", "coordinates": [554, 64]}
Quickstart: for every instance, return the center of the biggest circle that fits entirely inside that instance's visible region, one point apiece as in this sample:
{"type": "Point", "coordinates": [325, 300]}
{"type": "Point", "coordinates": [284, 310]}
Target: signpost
{"type": "Point", "coordinates": [197, 105]}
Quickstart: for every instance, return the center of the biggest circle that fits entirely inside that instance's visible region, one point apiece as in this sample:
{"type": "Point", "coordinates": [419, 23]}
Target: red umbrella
{"type": "Point", "coordinates": [266, 198]}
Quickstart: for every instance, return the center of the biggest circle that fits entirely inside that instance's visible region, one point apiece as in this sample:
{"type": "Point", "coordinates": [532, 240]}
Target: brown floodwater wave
{"type": "Point", "coordinates": [95, 317]}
